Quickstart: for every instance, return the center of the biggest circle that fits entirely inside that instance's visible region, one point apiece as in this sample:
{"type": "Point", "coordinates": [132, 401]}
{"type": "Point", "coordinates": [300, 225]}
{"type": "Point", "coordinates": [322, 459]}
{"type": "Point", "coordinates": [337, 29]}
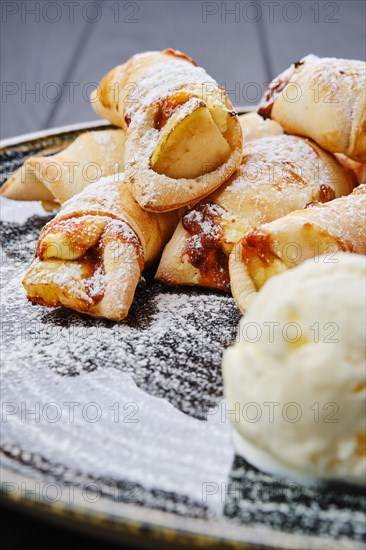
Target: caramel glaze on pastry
{"type": "Point", "coordinates": [278, 174]}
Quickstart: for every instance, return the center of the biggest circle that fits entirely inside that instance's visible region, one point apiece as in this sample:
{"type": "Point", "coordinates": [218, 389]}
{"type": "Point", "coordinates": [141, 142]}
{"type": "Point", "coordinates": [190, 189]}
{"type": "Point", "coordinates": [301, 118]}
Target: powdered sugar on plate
{"type": "Point", "coordinates": [161, 367]}
{"type": "Point", "coordinates": [170, 346]}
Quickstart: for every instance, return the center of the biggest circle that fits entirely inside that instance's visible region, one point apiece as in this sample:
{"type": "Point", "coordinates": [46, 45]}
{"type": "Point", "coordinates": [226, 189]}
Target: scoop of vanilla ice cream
{"type": "Point", "coordinates": [295, 379]}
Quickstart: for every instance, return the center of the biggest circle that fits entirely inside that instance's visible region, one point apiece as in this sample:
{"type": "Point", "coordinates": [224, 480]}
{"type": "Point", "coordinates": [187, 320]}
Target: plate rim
{"type": "Point", "coordinates": [119, 518]}
{"type": "Point", "coordinates": [32, 136]}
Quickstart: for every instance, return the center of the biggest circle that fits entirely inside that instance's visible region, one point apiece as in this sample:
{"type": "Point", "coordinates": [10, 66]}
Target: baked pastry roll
{"type": "Point", "coordinates": [357, 168]}
{"type": "Point", "coordinates": [284, 243]}
{"type": "Point", "coordinates": [90, 256]}
{"type": "Point", "coordinates": [183, 139]}
{"type": "Point", "coordinates": [323, 99]}
{"type": "Point", "coordinates": [278, 174]}
{"type": "Point", "coordinates": [254, 126]}
{"type": "Point", "coordinates": [58, 177]}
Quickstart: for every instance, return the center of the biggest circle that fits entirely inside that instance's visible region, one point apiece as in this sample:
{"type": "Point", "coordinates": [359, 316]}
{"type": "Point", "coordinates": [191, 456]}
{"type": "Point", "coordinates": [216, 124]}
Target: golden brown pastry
{"type": "Point", "coordinates": [90, 256]}
{"type": "Point", "coordinates": [358, 169]}
{"type": "Point", "coordinates": [323, 99]}
{"type": "Point", "coordinates": [56, 178]}
{"type": "Point", "coordinates": [183, 139]}
{"type": "Point", "coordinates": [254, 126]}
{"type": "Point", "coordinates": [284, 243]}
{"type": "Point", "coordinates": [278, 174]}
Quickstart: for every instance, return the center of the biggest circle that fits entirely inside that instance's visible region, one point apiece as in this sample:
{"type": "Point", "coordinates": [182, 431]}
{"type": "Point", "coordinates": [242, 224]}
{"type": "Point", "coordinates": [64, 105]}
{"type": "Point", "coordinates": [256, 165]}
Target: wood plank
{"type": "Point", "coordinates": [35, 53]}
{"type": "Point", "coordinates": [232, 47]}
{"type": "Point", "coordinates": [228, 50]}
{"type": "Point", "coordinates": [329, 29]}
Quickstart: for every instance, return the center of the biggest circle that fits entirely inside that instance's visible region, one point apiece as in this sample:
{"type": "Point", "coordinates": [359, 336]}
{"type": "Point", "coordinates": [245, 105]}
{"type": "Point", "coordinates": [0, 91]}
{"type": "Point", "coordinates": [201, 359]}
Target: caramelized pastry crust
{"type": "Point", "coordinates": [183, 138]}
{"type": "Point", "coordinates": [278, 174]}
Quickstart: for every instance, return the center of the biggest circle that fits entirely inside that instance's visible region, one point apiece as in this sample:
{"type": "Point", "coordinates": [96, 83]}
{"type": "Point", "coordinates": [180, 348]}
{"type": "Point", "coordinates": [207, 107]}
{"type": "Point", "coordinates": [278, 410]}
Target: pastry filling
{"type": "Point", "coordinates": [204, 247]}
{"type": "Point", "coordinates": [192, 138]}
{"type": "Point", "coordinates": [69, 269]}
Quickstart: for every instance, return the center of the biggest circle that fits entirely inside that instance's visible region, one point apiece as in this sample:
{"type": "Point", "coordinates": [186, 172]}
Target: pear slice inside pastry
{"type": "Point", "coordinates": [183, 138]}
{"type": "Point", "coordinates": [101, 283]}
{"type": "Point", "coordinates": [190, 144]}
{"type": "Point", "coordinates": [278, 174]}
{"type": "Point", "coordinates": [90, 256]}
{"type": "Point", "coordinates": [55, 282]}
{"type": "Point", "coordinates": [69, 241]}
{"type": "Point", "coordinates": [270, 249]}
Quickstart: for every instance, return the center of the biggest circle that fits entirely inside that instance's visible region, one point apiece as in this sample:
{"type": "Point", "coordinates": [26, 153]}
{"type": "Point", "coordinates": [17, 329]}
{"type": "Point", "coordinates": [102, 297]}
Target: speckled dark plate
{"type": "Point", "coordinates": [121, 428]}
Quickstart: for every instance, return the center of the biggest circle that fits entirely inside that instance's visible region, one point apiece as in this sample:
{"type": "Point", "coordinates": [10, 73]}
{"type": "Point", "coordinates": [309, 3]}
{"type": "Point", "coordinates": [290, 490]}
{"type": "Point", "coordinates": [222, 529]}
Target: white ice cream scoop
{"type": "Point", "coordinates": [295, 378]}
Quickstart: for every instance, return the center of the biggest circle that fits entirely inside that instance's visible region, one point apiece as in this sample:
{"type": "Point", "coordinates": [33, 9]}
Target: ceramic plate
{"type": "Point", "coordinates": [121, 427]}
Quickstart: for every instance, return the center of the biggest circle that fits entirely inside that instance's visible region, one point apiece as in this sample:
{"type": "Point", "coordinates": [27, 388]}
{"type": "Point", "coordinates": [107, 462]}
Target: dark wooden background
{"type": "Point", "coordinates": [53, 53]}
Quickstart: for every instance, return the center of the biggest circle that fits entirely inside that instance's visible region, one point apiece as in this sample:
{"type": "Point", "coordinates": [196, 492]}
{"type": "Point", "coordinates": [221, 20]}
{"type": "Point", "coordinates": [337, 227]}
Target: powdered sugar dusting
{"type": "Point", "coordinates": [102, 138]}
{"type": "Point", "coordinates": [96, 283]}
{"type": "Point", "coordinates": [280, 174]}
{"type": "Point", "coordinates": [166, 331]}
{"type": "Point", "coordinates": [158, 317]}
{"type": "Point", "coordinates": [96, 196]}
{"type": "Point", "coordinates": [161, 79]}
{"type": "Point", "coordinates": [160, 363]}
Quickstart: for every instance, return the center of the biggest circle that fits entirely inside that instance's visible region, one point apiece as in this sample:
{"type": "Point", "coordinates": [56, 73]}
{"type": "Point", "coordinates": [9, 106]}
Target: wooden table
{"type": "Point", "coordinates": [53, 53]}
